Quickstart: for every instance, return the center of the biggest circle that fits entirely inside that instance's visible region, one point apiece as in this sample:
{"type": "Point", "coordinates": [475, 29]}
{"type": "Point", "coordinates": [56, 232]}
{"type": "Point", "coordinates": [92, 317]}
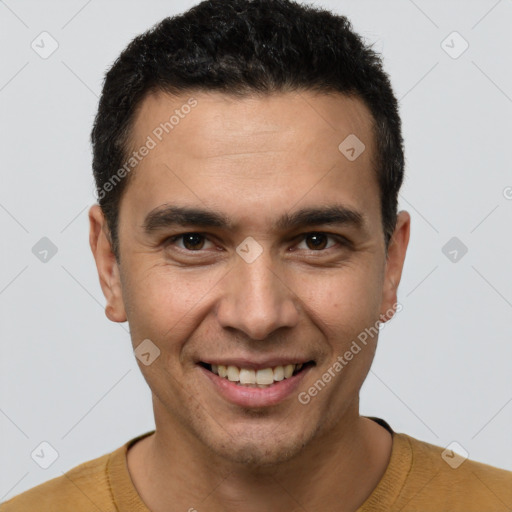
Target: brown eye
{"type": "Point", "coordinates": [189, 241]}
{"type": "Point", "coordinates": [316, 241]}
{"type": "Point", "coordinates": [193, 241]}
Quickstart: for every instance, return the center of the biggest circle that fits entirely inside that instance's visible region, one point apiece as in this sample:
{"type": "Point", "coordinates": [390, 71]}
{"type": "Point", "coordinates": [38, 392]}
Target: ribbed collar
{"type": "Point", "coordinates": [393, 480]}
{"type": "Point", "coordinates": [123, 491]}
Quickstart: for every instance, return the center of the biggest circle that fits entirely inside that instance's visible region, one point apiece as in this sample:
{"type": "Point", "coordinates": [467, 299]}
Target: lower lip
{"type": "Point", "coordinates": [245, 396]}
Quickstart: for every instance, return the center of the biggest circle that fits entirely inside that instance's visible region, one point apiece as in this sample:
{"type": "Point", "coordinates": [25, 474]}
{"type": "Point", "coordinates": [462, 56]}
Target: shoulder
{"type": "Point", "coordinates": [444, 478]}
{"type": "Point", "coordinates": [85, 487]}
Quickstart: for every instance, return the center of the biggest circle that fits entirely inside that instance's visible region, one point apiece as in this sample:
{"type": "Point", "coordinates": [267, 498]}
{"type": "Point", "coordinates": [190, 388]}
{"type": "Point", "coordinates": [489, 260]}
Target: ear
{"type": "Point", "coordinates": [108, 268]}
{"type": "Point", "coordinates": [394, 265]}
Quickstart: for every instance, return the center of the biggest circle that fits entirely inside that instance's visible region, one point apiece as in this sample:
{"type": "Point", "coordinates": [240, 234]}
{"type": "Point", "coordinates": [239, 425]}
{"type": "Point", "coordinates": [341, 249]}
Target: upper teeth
{"type": "Point", "coordinates": [263, 377]}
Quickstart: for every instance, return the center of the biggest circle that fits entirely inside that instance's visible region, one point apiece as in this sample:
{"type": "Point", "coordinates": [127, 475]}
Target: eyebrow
{"type": "Point", "coordinates": [172, 216]}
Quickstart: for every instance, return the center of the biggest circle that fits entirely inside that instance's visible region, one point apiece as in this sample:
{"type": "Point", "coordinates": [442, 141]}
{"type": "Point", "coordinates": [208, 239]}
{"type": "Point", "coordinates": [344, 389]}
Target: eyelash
{"type": "Point", "coordinates": [338, 238]}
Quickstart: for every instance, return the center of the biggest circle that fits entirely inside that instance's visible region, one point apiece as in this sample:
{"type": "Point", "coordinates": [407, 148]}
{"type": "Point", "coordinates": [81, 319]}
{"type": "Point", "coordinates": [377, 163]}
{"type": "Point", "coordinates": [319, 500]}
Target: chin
{"type": "Point", "coordinates": [258, 454]}
{"type": "Point", "coordinates": [259, 446]}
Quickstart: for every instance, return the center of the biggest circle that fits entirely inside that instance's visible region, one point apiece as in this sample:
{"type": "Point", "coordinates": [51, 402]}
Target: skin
{"type": "Point", "coordinates": [253, 159]}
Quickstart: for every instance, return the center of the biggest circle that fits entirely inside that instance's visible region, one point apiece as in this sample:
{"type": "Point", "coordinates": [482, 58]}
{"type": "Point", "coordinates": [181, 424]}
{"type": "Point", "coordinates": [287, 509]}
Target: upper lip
{"type": "Point", "coordinates": [255, 363]}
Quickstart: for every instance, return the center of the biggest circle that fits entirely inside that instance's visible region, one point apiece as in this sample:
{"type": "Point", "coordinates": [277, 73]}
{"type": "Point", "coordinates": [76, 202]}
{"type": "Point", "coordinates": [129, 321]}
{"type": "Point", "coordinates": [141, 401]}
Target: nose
{"type": "Point", "coordinates": [257, 299]}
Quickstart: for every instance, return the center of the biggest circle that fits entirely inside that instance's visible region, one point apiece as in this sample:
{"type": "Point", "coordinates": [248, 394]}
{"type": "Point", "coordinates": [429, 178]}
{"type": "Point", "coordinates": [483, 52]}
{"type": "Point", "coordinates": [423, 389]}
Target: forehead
{"type": "Point", "coordinates": [217, 119]}
{"type": "Point", "coordinates": [281, 149]}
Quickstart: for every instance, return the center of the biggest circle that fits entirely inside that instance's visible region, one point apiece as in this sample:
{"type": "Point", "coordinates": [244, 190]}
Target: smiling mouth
{"type": "Point", "coordinates": [262, 378]}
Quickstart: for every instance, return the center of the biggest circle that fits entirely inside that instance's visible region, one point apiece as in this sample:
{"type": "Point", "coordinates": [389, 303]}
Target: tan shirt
{"type": "Point", "coordinates": [417, 479]}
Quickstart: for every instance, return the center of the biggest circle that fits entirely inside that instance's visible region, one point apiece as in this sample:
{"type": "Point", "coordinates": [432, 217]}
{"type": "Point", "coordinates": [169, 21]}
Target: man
{"type": "Point", "coordinates": [248, 157]}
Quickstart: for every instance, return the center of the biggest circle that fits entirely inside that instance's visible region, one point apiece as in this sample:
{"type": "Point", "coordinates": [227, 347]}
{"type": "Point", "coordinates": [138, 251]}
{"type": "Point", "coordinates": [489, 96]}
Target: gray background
{"type": "Point", "coordinates": [442, 369]}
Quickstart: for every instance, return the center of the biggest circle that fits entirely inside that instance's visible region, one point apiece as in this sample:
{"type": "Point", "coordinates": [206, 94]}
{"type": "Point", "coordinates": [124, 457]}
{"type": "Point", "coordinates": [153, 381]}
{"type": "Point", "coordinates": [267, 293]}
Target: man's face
{"type": "Point", "coordinates": [251, 290]}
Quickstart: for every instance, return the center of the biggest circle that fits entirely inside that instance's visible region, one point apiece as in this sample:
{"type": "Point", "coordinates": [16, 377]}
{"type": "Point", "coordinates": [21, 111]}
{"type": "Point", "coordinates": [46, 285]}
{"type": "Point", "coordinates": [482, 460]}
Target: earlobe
{"type": "Point", "coordinates": [394, 265]}
{"type": "Point", "coordinates": [106, 264]}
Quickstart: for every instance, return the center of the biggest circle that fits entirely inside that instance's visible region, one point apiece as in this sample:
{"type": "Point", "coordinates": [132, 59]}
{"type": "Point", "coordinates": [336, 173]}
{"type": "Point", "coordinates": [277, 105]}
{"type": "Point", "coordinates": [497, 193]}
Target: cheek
{"type": "Point", "coordinates": [165, 303]}
{"type": "Point", "coordinates": [344, 301]}
{"type": "Point", "coordinates": [161, 301]}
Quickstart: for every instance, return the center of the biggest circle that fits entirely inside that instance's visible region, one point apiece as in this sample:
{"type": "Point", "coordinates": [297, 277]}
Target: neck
{"type": "Point", "coordinates": [337, 471]}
